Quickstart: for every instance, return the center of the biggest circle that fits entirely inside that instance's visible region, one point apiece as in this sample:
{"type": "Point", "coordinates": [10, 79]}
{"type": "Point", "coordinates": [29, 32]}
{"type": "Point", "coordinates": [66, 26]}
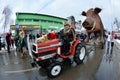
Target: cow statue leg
{"type": "Point", "coordinates": [102, 42]}
{"type": "Point", "coordinates": [88, 38]}
{"type": "Point", "coordinates": [102, 39]}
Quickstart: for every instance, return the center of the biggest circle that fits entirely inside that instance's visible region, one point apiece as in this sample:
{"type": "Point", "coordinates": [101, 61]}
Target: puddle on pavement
{"type": "Point", "coordinates": [106, 68]}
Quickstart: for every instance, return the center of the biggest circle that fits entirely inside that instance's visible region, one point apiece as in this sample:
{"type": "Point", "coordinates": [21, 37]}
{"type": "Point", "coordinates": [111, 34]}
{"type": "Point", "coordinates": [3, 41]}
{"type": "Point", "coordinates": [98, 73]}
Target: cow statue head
{"type": "Point", "coordinates": [93, 23]}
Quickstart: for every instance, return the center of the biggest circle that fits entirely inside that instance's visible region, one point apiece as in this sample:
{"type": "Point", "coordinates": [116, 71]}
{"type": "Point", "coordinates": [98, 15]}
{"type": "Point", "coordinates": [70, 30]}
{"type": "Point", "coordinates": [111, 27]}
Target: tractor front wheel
{"type": "Point", "coordinates": [54, 69]}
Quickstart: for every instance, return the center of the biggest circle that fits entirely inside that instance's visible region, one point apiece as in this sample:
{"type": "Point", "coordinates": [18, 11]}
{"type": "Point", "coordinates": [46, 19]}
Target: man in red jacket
{"type": "Point", "coordinates": [52, 35]}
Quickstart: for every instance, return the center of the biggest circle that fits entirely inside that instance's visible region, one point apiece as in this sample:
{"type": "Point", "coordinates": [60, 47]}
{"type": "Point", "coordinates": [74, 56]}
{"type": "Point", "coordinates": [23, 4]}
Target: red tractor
{"type": "Point", "coordinates": [49, 55]}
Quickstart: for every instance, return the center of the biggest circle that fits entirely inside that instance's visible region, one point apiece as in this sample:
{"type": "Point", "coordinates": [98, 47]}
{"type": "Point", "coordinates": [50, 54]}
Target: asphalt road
{"type": "Point", "coordinates": [98, 65]}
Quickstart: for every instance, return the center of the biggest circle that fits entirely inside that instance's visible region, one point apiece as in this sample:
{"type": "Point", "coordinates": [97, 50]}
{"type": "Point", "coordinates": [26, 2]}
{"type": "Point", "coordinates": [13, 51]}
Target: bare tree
{"type": "Point", "coordinates": [7, 12]}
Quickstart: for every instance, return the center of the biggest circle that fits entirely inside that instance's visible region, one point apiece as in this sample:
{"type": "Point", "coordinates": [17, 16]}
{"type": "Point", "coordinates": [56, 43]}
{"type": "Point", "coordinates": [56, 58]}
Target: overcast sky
{"type": "Point", "coordinates": [65, 8]}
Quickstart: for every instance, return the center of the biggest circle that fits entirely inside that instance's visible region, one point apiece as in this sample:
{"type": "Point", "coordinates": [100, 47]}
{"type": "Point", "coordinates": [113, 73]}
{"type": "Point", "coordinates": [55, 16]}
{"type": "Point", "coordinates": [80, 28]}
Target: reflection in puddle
{"type": "Point", "coordinates": [106, 70]}
{"type": "Point", "coordinates": [89, 56]}
{"type": "Point", "coordinates": [5, 59]}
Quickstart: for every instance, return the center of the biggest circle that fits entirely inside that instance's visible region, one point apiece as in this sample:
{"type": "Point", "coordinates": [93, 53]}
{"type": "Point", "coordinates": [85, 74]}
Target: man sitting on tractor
{"type": "Point", "coordinates": [67, 35]}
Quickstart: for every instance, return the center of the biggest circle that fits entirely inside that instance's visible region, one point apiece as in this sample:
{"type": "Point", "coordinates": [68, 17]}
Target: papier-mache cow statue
{"type": "Point", "coordinates": [93, 24]}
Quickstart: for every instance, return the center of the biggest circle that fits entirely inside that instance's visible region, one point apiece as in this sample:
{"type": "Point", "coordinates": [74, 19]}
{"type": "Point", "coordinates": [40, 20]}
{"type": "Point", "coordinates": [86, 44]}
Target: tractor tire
{"type": "Point", "coordinates": [80, 53]}
{"type": "Point", "coordinates": [54, 69]}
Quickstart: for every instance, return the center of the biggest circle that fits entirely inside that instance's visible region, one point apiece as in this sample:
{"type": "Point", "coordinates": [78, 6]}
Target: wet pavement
{"type": "Point", "coordinates": [109, 68]}
{"type": "Point", "coordinates": [98, 65]}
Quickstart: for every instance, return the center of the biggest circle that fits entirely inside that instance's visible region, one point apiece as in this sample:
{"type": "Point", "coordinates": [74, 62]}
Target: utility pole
{"type": "Point", "coordinates": [7, 16]}
{"type": "Point", "coordinates": [117, 24]}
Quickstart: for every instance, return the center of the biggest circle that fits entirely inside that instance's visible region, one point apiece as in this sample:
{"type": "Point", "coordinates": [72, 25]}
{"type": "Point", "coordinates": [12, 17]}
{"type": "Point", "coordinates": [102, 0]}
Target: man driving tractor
{"type": "Point", "coordinates": [67, 35]}
{"type": "Point", "coordinates": [51, 54]}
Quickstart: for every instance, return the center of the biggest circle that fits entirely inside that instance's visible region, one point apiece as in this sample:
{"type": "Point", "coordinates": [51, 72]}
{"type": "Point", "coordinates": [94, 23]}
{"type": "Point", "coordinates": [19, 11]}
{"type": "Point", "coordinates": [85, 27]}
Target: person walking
{"type": "Point", "coordinates": [110, 45]}
{"type": "Point", "coordinates": [108, 40]}
{"type": "Point", "coordinates": [8, 42]}
{"type": "Point", "coordinates": [37, 35]}
{"type": "Point", "coordinates": [0, 43]}
{"type": "Point", "coordinates": [112, 41]}
{"type": "Point", "coordinates": [33, 37]}
{"type": "Point", "coordinates": [11, 42]}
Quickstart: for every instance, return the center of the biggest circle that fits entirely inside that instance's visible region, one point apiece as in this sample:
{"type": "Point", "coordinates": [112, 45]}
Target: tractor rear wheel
{"type": "Point", "coordinates": [80, 53]}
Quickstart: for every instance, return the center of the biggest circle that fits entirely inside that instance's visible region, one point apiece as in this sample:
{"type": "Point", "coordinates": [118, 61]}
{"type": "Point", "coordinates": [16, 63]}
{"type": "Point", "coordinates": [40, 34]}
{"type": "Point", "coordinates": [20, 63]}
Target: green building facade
{"type": "Point", "coordinates": [45, 22]}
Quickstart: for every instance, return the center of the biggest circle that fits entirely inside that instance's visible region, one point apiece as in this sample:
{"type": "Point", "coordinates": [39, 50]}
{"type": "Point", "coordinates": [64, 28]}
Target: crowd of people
{"type": "Point", "coordinates": [66, 35]}
{"type": "Point", "coordinates": [20, 39]}
{"type": "Point", "coordinates": [6, 41]}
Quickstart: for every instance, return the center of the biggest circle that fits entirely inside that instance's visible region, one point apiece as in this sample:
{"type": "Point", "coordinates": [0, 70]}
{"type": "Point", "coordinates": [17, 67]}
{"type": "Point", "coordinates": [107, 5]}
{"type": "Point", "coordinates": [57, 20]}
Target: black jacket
{"type": "Point", "coordinates": [8, 39]}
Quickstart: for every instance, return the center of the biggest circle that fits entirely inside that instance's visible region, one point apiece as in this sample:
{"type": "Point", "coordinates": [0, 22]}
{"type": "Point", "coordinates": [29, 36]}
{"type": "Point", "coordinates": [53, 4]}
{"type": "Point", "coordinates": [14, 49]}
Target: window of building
{"type": "Point", "coordinates": [58, 22]}
{"type": "Point", "coordinates": [28, 20]}
{"type": "Point", "coordinates": [43, 20]}
{"type": "Point", "coordinates": [50, 21]}
{"type": "Point", "coordinates": [35, 20]}
{"type": "Point", "coordinates": [21, 20]}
